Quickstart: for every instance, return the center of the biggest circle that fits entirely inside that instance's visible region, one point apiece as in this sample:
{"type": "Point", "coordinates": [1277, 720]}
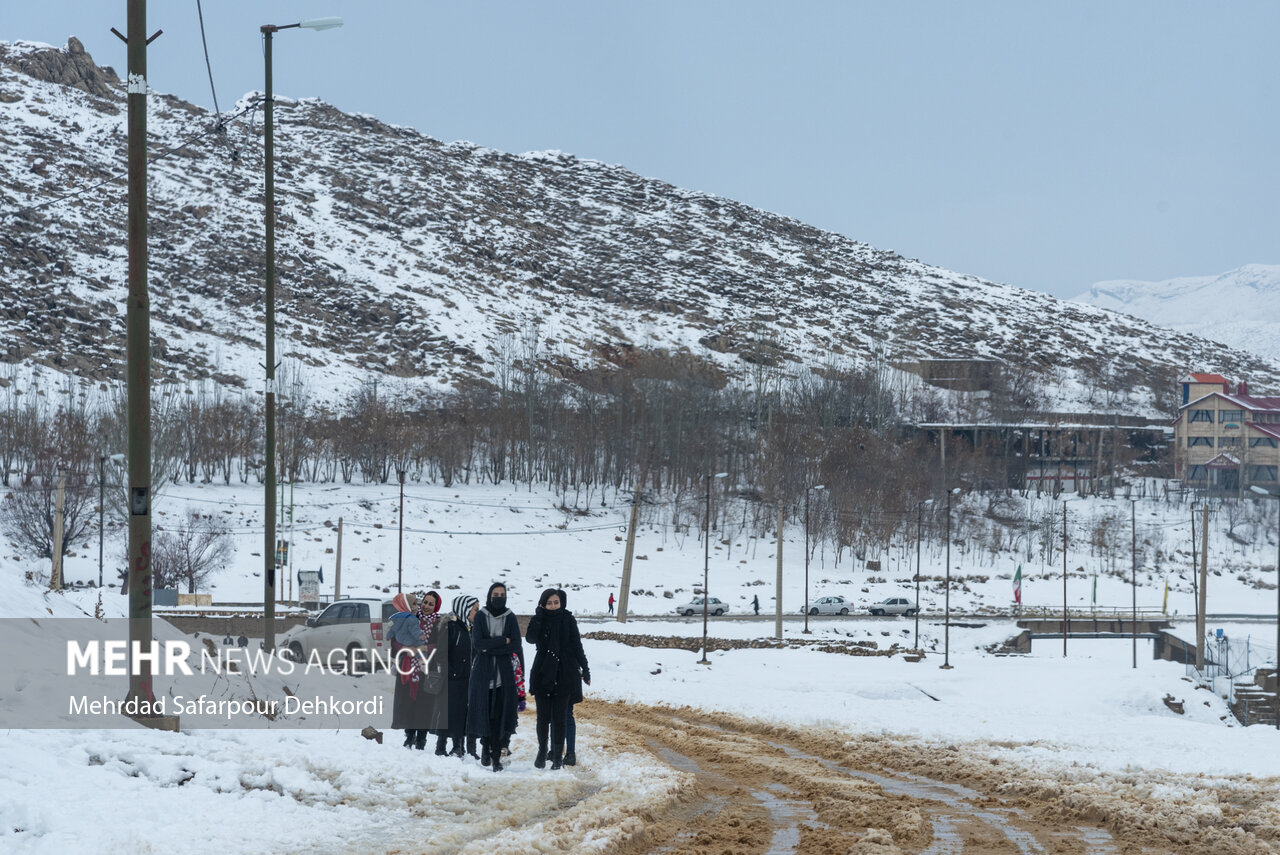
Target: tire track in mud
{"type": "Point", "coordinates": [759, 789]}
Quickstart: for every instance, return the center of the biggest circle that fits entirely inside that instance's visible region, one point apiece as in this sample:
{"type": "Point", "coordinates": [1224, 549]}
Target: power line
{"type": "Point", "coordinates": [120, 175]}
{"type": "Point", "coordinates": [217, 112]}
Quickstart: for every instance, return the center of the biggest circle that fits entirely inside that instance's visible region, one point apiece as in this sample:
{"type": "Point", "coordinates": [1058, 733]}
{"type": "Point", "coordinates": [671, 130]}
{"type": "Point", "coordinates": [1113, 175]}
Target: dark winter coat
{"type": "Point", "coordinates": [560, 662]}
{"type": "Point", "coordinates": [417, 709]}
{"type": "Point", "coordinates": [459, 675]}
{"type": "Point", "coordinates": [493, 655]}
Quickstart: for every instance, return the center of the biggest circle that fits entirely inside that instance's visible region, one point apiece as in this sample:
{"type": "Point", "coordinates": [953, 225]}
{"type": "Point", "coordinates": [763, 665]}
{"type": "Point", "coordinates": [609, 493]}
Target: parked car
{"type": "Point", "coordinates": [829, 606]}
{"type": "Point", "coordinates": [356, 626]}
{"type": "Point", "coordinates": [694, 606]}
{"type": "Point", "coordinates": [894, 606]}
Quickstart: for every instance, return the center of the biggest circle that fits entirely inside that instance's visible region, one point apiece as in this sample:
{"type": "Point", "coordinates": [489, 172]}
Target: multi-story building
{"type": "Point", "coordinates": [1223, 440]}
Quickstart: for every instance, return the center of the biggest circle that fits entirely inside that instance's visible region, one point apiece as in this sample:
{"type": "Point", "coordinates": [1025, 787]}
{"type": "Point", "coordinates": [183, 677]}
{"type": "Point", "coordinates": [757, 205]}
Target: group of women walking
{"type": "Point", "coordinates": [461, 677]}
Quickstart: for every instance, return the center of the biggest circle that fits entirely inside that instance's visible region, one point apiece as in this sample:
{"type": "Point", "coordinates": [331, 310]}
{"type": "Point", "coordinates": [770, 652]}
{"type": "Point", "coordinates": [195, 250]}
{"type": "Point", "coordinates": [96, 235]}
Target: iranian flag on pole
{"type": "Point", "coordinates": [1017, 586]}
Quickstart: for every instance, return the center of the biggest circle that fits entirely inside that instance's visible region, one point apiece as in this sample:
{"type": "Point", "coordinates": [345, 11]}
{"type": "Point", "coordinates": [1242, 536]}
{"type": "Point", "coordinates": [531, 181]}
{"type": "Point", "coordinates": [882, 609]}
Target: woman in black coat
{"type": "Point", "coordinates": [459, 634]}
{"type": "Point", "coordinates": [555, 677]}
{"type": "Point", "coordinates": [491, 697]}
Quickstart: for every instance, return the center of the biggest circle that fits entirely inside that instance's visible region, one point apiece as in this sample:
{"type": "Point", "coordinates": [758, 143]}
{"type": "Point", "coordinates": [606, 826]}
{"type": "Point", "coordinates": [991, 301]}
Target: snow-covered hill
{"type": "Point", "coordinates": [399, 255]}
{"type": "Point", "coordinates": [1240, 308]}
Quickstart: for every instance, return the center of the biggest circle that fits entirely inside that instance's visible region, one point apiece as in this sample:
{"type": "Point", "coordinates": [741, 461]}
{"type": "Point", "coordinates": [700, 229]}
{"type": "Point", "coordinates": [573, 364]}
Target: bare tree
{"type": "Point", "coordinates": [190, 553]}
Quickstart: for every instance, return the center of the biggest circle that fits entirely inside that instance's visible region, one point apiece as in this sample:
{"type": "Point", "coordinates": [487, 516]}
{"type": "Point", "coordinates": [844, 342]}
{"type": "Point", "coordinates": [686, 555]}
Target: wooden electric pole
{"type": "Point", "coordinates": [1204, 580]}
{"type": "Point", "coordinates": [777, 585]}
{"type": "Point", "coordinates": [337, 569]}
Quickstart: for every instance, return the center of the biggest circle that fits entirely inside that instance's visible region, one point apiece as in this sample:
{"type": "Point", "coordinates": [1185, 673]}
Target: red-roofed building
{"type": "Point", "coordinates": [1226, 439]}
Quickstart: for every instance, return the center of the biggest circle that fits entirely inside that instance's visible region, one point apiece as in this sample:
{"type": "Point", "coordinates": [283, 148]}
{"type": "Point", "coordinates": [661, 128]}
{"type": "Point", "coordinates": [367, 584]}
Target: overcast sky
{"type": "Point", "coordinates": [1046, 145]}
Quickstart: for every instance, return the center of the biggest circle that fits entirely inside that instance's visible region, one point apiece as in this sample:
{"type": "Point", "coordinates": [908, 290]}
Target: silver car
{"type": "Point", "coordinates": [894, 606]}
{"type": "Point", "coordinates": [829, 606]}
{"type": "Point", "coordinates": [694, 606]}
{"type": "Point", "coordinates": [353, 629]}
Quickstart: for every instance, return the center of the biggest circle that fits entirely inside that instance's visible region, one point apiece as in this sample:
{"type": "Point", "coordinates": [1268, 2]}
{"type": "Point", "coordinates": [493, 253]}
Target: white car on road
{"type": "Point", "coordinates": [694, 606]}
{"type": "Point", "coordinates": [829, 606]}
{"type": "Point", "coordinates": [894, 606]}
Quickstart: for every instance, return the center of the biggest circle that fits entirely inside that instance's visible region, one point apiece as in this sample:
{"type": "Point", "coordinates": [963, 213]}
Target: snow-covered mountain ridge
{"type": "Point", "coordinates": [1240, 308]}
{"type": "Point", "coordinates": [402, 256]}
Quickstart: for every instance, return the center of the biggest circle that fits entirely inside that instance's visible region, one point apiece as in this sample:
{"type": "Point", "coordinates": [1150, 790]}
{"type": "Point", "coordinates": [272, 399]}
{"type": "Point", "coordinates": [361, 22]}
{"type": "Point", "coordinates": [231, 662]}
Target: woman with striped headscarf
{"type": "Point", "coordinates": [459, 635]}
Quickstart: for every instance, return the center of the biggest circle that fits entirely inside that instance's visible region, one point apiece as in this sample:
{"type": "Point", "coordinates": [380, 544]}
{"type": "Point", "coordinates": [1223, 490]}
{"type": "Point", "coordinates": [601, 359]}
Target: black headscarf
{"type": "Point", "coordinates": [551, 619]}
{"type": "Point", "coordinates": [496, 610]}
{"type": "Point", "coordinates": [564, 599]}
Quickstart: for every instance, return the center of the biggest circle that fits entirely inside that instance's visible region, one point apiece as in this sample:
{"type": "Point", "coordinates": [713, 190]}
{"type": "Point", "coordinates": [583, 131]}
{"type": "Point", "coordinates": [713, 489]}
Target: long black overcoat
{"type": "Point", "coordinates": [492, 655]}
{"type": "Point", "coordinates": [459, 677]}
{"type": "Point", "coordinates": [560, 660]}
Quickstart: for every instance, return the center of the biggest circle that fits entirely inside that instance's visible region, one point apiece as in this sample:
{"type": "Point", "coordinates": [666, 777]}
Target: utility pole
{"type": "Point", "coordinates": [777, 586]}
{"type": "Point", "coordinates": [629, 557]}
{"type": "Point", "coordinates": [55, 576]}
{"type": "Point", "coordinates": [400, 554]}
{"type": "Point", "coordinates": [1204, 581]}
{"type": "Point", "coordinates": [337, 570]}
{"type": "Point", "coordinates": [138, 364]}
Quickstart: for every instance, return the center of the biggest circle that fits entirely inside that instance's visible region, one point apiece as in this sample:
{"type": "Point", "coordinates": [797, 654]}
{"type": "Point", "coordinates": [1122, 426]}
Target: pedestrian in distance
{"type": "Point", "coordinates": [416, 635]}
{"type": "Point", "coordinates": [555, 673]}
{"type": "Point", "coordinates": [755, 603]}
{"type": "Point", "coordinates": [492, 698]}
{"type": "Point", "coordinates": [584, 673]}
{"type": "Point", "coordinates": [228, 641]}
{"type": "Point", "coordinates": [458, 631]}
{"type": "Point", "coordinates": [242, 641]}
{"type": "Point", "coordinates": [611, 602]}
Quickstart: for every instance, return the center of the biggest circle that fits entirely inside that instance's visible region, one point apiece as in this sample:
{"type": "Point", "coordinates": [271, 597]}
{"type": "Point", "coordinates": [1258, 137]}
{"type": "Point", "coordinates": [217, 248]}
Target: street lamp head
{"type": "Point", "coordinates": [116, 458]}
{"type": "Point", "coordinates": [722, 475]}
{"type": "Point", "coordinates": [818, 487]}
{"type": "Point", "coordinates": [955, 491]}
{"type": "Point", "coordinates": [320, 23]}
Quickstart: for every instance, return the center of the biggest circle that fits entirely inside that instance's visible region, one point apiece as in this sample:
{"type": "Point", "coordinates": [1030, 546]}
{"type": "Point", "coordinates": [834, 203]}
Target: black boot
{"type": "Point", "coordinates": [541, 760]}
{"type": "Point", "coordinates": [408, 739]}
{"type": "Point", "coordinates": [420, 742]}
{"type": "Point", "coordinates": [471, 746]}
{"type": "Point", "coordinates": [456, 749]}
{"type": "Point", "coordinates": [570, 759]}
{"type": "Point", "coordinates": [484, 752]}
{"type": "Point", "coordinates": [495, 758]}
{"type": "Point", "coordinates": [441, 749]}
{"type": "Point", "coordinates": [555, 761]}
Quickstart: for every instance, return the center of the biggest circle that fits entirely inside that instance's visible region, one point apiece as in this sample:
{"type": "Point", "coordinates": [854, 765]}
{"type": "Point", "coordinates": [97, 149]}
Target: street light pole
{"type": "Point", "coordinates": [1263, 492]}
{"type": "Point", "coordinates": [806, 552]}
{"type": "Point", "coordinates": [1133, 527]}
{"type": "Point", "coordinates": [706, 566]}
{"type": "Point", "coordinates": [269, 509]}
{"type": "Point", "coordinates": [1064, 578]}
{"type": "Point", "coordinates": [919, 518]}
{"type": "Point", "coordinates": [946, 633]}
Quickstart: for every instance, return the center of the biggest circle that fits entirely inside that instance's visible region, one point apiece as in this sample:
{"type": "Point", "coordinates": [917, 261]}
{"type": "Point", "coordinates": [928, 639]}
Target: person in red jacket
{"type": "Point", "coordinates": [611, 602]}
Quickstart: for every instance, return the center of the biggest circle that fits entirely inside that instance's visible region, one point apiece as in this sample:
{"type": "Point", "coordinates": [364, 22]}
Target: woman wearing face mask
{"type": "Point", "coordinates": [575, 693]}
{"type": "Point", "coordinates": [459, 634]}
{"type": "Point", "coordinates": [491, 696]}
{"type": "Point", "coordinates": [414, 638]}
{"type": "Point", "coordinates": [555, 673]}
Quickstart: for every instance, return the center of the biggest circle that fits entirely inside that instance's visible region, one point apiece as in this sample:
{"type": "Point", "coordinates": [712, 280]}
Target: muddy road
{"type": "Point", "coordinates": [758, 790]}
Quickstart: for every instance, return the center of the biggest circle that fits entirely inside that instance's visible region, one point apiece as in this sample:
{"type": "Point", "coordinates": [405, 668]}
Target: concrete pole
{"type": "Point", "coordinates": [777, 585]}
{"type": "Point", "coordinates": [629, 558]}
{"type": "Point", "coordinates": [55, 577]}
{"type": "Point", "coordinates": [138, 363]}
{"type": "Point", "coordinates": [337, 569]}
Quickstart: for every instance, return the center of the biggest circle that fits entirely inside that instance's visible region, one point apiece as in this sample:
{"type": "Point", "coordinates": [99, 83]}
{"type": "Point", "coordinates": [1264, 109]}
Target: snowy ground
{"type": "Point", "coordinates": [286, 789]}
